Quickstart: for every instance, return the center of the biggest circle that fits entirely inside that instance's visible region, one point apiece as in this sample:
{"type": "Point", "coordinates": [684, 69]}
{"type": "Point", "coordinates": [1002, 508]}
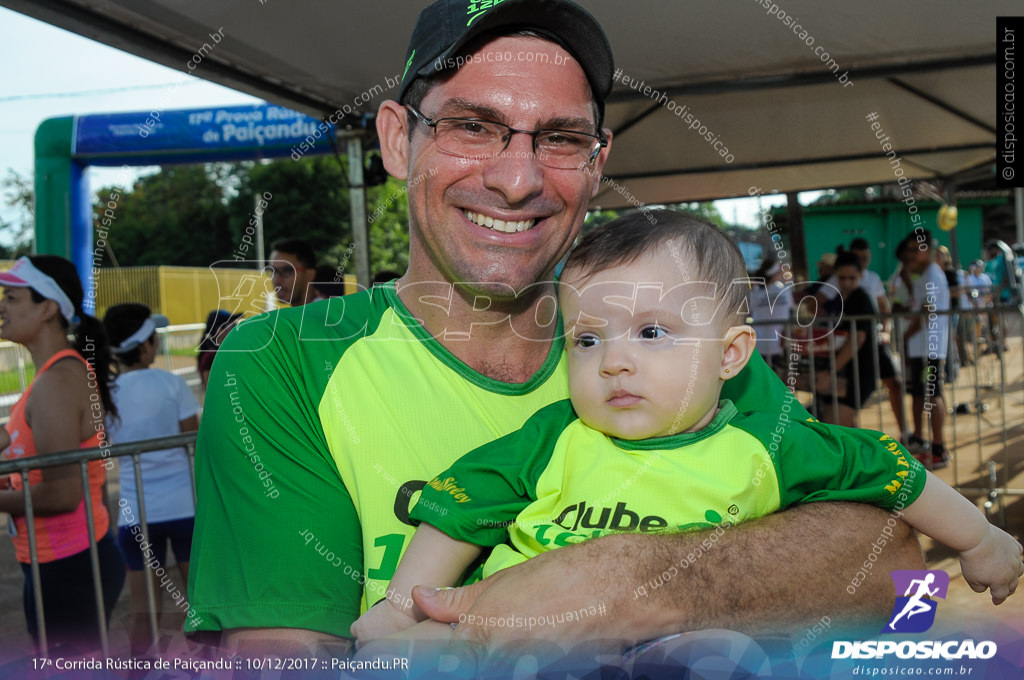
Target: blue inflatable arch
{"type": "Point", "coordinates": [67, 146]}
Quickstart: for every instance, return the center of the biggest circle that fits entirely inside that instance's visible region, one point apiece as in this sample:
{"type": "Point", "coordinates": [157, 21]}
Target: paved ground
{"type": "Point", "coordinates": [969, 472]}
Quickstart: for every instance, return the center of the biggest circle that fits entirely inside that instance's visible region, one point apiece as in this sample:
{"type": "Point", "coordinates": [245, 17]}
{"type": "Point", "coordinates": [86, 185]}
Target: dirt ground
{"type": "Point", "coordinates": [979, 439]}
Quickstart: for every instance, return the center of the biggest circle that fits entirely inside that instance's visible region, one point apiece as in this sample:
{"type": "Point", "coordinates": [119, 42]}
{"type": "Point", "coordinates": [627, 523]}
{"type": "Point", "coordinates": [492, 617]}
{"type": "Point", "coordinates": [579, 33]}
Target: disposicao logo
{"type": "Point", "coordinates": [914, 611]}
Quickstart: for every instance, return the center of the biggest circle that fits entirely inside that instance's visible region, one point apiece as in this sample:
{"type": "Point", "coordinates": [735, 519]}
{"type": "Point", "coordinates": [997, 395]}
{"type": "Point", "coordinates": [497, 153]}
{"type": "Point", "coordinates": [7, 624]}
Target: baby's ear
{"type": "Point", "coordinates": [740, 342]}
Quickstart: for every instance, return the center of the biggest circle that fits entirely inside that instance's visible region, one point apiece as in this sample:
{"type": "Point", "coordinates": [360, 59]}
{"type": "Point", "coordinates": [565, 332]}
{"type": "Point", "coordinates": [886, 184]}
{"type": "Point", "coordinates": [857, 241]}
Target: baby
{"type": "Point", "coordinates": [654, 322]}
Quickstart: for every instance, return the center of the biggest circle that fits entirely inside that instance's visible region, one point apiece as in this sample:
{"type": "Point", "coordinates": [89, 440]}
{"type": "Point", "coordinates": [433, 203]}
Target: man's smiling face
{"type": "Point", "coordinates": [505, 220]}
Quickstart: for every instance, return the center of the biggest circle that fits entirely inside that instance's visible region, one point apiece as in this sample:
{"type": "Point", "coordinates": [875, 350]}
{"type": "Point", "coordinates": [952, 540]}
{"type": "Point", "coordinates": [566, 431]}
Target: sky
{"type": "Point", "coordinates": [58, 73]}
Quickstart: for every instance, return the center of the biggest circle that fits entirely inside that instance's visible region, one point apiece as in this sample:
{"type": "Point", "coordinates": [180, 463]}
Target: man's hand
{"type": "Point", "coordinates": [551, 597]}
{"type": "Point", "coordinates": [995, 563]}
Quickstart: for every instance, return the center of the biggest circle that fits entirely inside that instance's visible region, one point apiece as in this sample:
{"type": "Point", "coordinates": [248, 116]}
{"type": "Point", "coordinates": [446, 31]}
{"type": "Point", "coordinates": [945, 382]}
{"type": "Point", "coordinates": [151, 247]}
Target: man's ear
{"type": "Point", "coordinates": [597, 167]}
{"type": "Point", "coordinates": [740, 342]}
{"type": "Point", "coordinates": [393, 132]}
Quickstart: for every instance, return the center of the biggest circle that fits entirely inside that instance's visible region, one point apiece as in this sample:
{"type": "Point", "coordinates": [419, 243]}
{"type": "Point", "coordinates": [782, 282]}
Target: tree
{"type": "Point", "coordinates": [595, 218]}
{"type": "Point", "coordinates": [177, 216]}
{"type": "Point", "coordinates": [305, 199]}
{"type": "Point", "coordinates": [19, 196]}
{"type": "Point", "coordinates": [195, 215]}
{"type": "Point", "coordinates": [387, 208]}
{"type": "Point", "coordinates": [708, 211]}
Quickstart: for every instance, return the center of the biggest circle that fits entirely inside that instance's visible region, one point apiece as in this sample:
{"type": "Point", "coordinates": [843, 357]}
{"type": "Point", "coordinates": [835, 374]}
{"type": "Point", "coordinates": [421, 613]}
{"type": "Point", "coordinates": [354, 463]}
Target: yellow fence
{"type": "Point", "coordinates": [185, 294]}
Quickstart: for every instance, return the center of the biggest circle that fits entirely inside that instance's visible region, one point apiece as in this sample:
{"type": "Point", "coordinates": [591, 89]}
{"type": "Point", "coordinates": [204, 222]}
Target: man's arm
{"type": "Point", "coordinates": [276, 541]}
{"type": "Point", "coordinates": [782, 571]}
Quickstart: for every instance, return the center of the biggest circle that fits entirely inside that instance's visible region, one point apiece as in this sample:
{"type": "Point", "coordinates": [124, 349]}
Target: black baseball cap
{"type": "Point", "coordinates": [446, 26]}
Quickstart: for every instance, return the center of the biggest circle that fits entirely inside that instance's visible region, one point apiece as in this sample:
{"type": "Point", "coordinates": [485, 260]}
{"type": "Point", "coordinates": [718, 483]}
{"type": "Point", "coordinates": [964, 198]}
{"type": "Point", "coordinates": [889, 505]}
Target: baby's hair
{"type": "Point", "coordinates": [624, 240]}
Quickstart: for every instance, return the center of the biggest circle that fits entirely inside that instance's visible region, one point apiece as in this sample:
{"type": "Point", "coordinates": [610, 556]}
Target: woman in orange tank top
{"type": "Point", "coordinates": [63, 409]}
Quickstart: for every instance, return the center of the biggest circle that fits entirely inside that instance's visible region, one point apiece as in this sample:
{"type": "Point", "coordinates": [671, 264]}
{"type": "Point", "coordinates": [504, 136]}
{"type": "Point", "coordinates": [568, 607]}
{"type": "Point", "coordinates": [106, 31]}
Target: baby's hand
{"type": "Point", "coordinates": [995, 563]}
{"type": "Point", "coordinates": [380, 620]}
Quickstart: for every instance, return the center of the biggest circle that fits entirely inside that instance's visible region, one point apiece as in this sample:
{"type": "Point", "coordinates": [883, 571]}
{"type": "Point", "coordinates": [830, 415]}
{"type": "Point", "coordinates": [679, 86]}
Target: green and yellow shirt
{"type": "Point", "coordinates": [557, 481]}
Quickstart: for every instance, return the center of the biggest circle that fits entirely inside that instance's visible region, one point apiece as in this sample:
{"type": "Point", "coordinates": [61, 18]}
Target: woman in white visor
{"type": "Point", "coordinates": [63, 409]}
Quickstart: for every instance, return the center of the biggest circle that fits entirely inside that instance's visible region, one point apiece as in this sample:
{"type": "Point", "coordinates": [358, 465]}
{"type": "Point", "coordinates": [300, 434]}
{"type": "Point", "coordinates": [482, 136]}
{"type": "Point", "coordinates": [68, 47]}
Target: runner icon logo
{"type": "Point", "coordinates": [914, 611]}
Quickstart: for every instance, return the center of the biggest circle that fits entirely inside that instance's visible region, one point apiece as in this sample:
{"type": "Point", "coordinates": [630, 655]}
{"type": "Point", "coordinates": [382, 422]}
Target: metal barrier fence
{"type": "Point", "coordinates": [811, 348]}
{"type": "Point", "coordinates": [82, 457]}
{"type": "Point", "coordinates": [16, 373]}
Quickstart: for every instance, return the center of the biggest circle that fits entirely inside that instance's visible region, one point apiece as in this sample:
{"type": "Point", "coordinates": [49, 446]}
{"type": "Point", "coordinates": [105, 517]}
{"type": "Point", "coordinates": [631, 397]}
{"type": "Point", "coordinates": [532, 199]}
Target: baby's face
{"type": "Point", "coordinates": [645, 349]}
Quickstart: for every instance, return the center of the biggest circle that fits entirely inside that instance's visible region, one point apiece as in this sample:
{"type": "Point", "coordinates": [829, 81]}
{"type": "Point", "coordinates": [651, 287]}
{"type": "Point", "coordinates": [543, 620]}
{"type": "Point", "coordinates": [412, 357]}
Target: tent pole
{"type": "Point", "coordinates": [261, 255]}
{"type": "Point", "coordinates": [357, 203]}
{"type": "Point", "coordinates": [1018, 210]}
{"type": "Point", "coordinates": [797, 245]}
{"type": "Point", "coordinates": [949, 197]}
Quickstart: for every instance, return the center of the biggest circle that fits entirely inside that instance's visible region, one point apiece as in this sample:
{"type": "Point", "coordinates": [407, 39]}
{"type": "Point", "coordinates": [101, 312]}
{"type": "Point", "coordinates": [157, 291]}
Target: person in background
{"type": "Point", "coordinates": [770, 300]}
{"type": "Point", "coordinates": [900, 286]}
{"type": "Point", "coordinates": [965, 325]}
{"type": "Point", "coordinates": [979, 285]}
{"type": "Point", "coordinates": [218, 324]}
{"type": "Point", "coordinates": [978, 281]}
{"type": "Point", "coordinates": [328, 283]}
{"type": "Point", "coordinates": [292, 266]}
{"type": "Point", "coordinates": [150, 403]}
{"type": "Point", "coordinates": [926, 340]}
{"type": "Point", "coordinates": [944, 260]}
{"type": "Point", "coordinates": [384, 275]}
{"type": "Point", "coordinates": [852, 300]}
{"type": "Point", "coordinates": [870, 281]}
{"type": "Point", "coordinates": [979, 293]}
{"type": "Point", "coordinates": [872, 284]}
{"type": "Point", "coordinates": [955, 277]}
{"type": "Point", "coordinates": [826, 264]}
{"type": "Point", "coordinates": [1001, 267]}
{"type": "Point", "coordinates": [901, 281]}
{"type": "Point", "coordinates": [62, 410]}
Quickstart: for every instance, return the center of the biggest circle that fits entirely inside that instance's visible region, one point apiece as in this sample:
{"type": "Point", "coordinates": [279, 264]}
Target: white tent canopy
{"type": "Point", "coordinates": [756, 79]}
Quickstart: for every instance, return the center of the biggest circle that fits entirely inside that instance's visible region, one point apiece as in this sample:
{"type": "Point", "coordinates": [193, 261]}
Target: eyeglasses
{"type": "Point", "coordinates": [478, 139]}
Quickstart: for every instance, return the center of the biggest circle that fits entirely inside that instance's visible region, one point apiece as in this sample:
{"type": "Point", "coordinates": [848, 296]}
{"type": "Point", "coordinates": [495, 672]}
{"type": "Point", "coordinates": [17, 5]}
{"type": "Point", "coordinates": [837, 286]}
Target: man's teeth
{"type": "Point", "coordinates": [498, 225]}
